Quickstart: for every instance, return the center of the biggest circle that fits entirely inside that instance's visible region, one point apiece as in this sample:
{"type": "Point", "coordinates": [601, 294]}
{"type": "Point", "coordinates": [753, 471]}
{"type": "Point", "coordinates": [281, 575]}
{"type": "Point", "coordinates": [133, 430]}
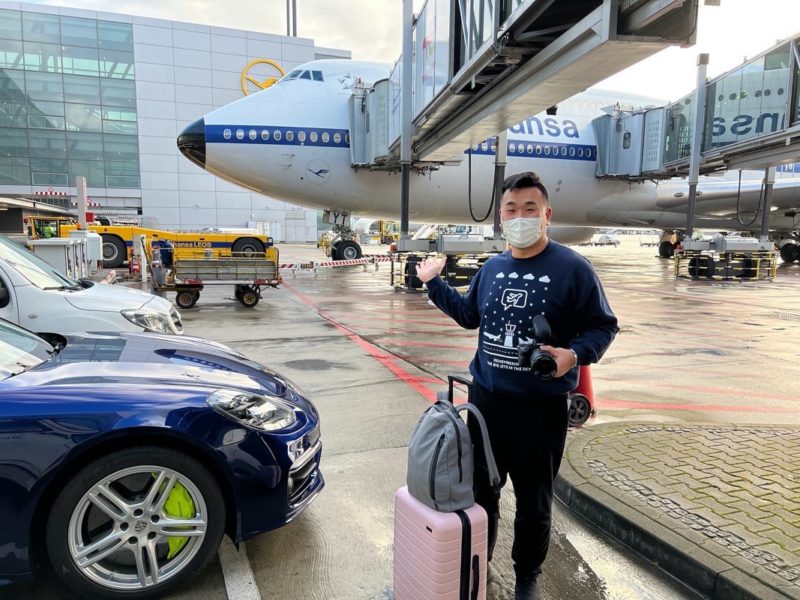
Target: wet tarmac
{"type": "Point", "coordinates": [372, 358]}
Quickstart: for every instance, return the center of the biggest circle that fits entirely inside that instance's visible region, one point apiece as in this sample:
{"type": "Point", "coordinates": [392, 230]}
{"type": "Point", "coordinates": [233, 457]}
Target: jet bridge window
{"type": "Point", "coordinates": [626, 140]}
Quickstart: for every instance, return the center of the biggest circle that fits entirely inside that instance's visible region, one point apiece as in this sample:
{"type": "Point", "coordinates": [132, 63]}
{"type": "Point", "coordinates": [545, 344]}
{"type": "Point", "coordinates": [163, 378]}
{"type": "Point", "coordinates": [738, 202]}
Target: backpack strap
{"type": "Point", "coordinates": [494, 474]}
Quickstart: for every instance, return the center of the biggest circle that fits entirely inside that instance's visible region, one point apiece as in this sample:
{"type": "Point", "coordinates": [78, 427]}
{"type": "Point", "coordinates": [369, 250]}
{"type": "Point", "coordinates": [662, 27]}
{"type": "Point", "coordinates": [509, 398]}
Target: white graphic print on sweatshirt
{"type": "Point", "coordinates": [508, 317]}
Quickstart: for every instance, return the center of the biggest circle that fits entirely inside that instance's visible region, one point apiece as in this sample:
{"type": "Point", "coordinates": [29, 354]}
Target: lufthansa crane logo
{"type": "Point", "coordinates": [253, 75]}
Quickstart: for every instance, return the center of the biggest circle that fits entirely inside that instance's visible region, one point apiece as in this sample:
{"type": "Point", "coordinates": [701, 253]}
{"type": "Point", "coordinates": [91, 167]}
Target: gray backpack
{"type": "Point", "coordinates": [440, 455]}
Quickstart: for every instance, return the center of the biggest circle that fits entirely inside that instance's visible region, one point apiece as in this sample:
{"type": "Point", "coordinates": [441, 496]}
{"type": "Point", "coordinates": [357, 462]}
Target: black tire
{"type": "Point", "coordinates": [749, 270]}
{"type": "Point", "coordinates": [579, 410]}
{"type": "Point", "coordinates": [702, 266]}
{"type": "Point", "coordinates": [249, 297]}
{"type": "Point", "coordinates": [790, 253]}
{"type": "Point", "coordinates": [247, 247]}
{"type": "Point", "coordinates": [666, 250]}
{"type": "Point", "coordinates": [115, 252]}
{"type": "Point", "coordinates": [186, 298]}
{"type": "Point", "coordinates": [412, 281]}
{"type": "Point", "coordinates": [238, 291]}
{"type": "Point", "coordinates": [73, 496]}
{"type": "Point", "coordinates": [348, 250]}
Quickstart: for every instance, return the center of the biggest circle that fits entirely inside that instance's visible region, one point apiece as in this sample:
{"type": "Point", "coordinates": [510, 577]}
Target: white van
{"type": "Point", "coordinates": [35, 295]}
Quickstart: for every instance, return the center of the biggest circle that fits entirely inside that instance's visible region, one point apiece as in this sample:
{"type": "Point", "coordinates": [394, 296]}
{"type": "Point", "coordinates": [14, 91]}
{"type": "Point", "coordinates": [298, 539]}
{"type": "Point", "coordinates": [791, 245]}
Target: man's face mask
{"type": "Point", "coordinates": [522, 232]}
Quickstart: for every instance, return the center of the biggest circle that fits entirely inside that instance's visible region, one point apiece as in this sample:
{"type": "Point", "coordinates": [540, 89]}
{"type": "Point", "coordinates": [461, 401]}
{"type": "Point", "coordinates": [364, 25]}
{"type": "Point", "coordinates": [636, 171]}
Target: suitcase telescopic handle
{"type": "Point", "coordinates": [451, 379]}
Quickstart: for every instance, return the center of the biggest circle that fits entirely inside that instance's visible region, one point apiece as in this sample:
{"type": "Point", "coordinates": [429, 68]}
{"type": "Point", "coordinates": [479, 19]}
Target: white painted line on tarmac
{"type": "Point", "coordinates": [239, 581]}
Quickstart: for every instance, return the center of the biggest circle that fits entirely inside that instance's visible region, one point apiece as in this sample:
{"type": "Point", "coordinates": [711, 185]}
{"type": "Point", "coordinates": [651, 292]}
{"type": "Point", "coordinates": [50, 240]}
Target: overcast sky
{"type": "Point", "coordinates": [370, 29]}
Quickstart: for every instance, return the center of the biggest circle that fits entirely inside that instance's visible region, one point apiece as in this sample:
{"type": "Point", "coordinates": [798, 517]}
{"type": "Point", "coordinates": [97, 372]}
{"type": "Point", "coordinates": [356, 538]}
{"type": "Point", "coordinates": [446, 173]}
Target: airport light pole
{"type": "Point", "coordinates": [697, 141]}
{"type": "Point", "coordinates": [291, 18]}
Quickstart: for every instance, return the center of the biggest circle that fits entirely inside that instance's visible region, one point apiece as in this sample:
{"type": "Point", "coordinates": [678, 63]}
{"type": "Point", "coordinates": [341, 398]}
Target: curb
{"type": "Point", "coordinates": [689, 563]}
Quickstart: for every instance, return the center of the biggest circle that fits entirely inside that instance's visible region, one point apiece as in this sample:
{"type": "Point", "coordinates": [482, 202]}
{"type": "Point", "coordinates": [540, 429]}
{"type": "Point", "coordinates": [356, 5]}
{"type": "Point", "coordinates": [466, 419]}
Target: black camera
{"type": "Point", "coordinates": [530, 354]}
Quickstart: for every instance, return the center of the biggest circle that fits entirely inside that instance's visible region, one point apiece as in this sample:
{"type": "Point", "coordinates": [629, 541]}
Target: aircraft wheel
{"type": "Point", "coordinates": [579, 410]}
{"type": "Point", "coordinates": [348, 250]}
{"type": "Point", "coordinates": [790, 253]}
{"type": "Point", "coordinates": [666, 250]}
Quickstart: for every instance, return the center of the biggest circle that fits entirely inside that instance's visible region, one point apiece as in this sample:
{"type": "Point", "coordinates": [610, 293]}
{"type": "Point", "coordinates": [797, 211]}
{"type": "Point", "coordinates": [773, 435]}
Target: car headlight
{"type": "Point", "coordinates": [261, 412]}
{"type": "Point", "coordinates": [149, 320]}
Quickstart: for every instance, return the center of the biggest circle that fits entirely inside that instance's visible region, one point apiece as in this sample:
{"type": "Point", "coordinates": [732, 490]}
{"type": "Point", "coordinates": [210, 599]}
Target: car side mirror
{"type": "Point", "coordinates": [5, 297]}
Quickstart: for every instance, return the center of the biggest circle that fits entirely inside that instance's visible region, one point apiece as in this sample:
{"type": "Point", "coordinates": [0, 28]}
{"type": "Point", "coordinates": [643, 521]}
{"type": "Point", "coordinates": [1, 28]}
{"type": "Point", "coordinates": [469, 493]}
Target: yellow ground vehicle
{"type": "Point", "coordinates": [118, 240]}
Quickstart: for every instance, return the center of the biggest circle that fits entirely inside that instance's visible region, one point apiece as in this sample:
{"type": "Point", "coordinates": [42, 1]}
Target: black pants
{"type": "Point", "coordinates": [527, 437]}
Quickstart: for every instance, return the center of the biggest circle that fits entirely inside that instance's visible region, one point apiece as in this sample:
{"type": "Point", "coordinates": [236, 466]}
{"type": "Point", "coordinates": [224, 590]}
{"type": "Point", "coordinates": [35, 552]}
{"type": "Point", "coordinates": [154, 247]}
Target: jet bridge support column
{"type": "Point", "coordinates": [406, 126]}
{"type": "Point", "coordinates": [769, 183]}
{"type": "Point", "coordinates": [697, 141]}
{"type": "Point", "coordinates": [500, 161]}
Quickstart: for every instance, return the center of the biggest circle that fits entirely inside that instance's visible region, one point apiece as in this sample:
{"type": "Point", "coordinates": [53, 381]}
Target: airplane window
{"type": "Point", "coordinates": [277, 135]}
{"type": "Point", "coordinates": [732, 96]}
{"type": "Point", "coordinates": [226, 134]}
{"type": "Point", "coordinates": [767, 92]}
{"type": "Point", "coordinates": [492, 147]}
{"type": "Point", "coordinates": [530, 148]}
{"type": "Point", "coordinates": [346, 138]}
{"type": "Point", "coordinates": [305, 75]}
{"type": "Point", "coordinates": [252, 134]}
{"type": "Point", "coordinates": [572, 151]}
{"type": "Point", "coordinates": [563, 150]}
{"type": "Point", "coordinates": [240, 134]}
{"type": "Point", "coordinates": [301, 136]}
{"type": "Point", "coordinates": [721, 98]}
{"type": "Point", "coordinates": [538, 150]}
{"type": "Point", "coordinates": [326, 137]}
{"type": "Point", "coordinates": [780, 91]}
{"type": "Point", "coordinates": [580, 152]}
{"type": "Point", "coordinates": [588, 153]}
{"type": "Point", "coordinates": [265, 134]}
{"type": "Point", "coordinates": [337, 138]}
{"type": "Point", "coordinates": [758, 93]}
{"type": "Point", "coordinates": [512, 148]}
{"type": "Point", "coordinates": [290, 136]}
{"type": "Point", "coordinates": [484, 146]}
{"type": "Point", "coordinates": [313, 137]}
{"type": "Point", "coordinates": [317, 75]}
{"type": "Point", "coordinates": [547, 150]}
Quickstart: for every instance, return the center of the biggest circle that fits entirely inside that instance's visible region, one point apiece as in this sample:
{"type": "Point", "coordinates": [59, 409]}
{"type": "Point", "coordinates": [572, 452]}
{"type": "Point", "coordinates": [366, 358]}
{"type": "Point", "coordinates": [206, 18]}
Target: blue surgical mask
{"type": "Point", "coordinates": [522, 232]}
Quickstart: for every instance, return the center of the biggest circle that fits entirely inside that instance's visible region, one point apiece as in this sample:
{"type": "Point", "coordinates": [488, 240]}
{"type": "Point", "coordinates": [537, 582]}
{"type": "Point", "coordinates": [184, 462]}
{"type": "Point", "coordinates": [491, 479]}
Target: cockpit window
{"type": "Point", "coordinates": [304, 74]}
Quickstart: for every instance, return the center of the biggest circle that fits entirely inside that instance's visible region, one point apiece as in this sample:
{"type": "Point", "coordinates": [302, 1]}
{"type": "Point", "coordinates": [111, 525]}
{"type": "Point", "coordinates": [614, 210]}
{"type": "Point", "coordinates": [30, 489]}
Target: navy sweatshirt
{"type": "Point", "coordinates": [502, 300]}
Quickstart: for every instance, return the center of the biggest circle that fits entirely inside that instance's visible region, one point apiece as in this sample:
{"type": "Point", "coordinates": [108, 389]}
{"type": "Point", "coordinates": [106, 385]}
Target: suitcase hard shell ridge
{"type": "Point", "coordinates": [438, 555]}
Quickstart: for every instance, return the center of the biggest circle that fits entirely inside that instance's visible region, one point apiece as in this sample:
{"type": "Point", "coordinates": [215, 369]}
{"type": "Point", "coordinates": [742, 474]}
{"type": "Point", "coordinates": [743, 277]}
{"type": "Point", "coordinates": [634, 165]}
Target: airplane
{"type": "Point", "coordinates": [291, 141]}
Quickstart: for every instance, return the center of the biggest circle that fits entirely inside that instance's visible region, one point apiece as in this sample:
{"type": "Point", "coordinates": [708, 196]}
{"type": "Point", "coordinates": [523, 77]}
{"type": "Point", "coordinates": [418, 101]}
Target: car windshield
{"type": "Point", "coordinates": [20, 350]}
{"type": "Point", "coordinates": [33, 268]}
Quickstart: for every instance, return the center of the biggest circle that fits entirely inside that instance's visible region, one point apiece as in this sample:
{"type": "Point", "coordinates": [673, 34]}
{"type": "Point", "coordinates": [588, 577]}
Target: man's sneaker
{"type": "Point", "coordinates": [527, 588]}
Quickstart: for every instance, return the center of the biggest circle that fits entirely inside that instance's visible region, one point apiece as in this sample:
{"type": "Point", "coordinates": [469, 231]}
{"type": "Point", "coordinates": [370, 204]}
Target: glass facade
{"type": "Point", "coordinates": [67, 101]}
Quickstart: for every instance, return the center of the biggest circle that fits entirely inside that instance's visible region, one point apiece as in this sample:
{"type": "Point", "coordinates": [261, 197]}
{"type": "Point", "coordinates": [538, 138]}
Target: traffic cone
{"type": "Point", "coordinates": [585, 384]}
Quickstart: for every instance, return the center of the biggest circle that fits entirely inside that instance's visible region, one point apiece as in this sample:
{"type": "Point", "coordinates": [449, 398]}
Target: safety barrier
{"type": "Point", "coordinates": [313, 266]}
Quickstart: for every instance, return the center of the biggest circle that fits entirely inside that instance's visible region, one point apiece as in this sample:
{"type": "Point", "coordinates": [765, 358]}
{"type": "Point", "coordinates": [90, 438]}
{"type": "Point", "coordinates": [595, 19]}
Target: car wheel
{"type": "Point", "coordinates": [579, 410]}
{"type": "Point", "coordinates": [248, 247]}
{"type": "Point", "coordinates": [135, 524]}
{"type": "Point", "coordinates": [115, 252]}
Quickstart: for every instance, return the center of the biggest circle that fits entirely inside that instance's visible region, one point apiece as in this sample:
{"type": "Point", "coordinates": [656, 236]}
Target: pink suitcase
{"type": "Point", "coordinates": [438, 555]}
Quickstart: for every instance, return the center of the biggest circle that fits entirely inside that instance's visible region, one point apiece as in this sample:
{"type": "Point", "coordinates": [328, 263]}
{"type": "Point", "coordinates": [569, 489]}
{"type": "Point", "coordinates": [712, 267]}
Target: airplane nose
{"type": "Point", "coordinates": [192, 142]}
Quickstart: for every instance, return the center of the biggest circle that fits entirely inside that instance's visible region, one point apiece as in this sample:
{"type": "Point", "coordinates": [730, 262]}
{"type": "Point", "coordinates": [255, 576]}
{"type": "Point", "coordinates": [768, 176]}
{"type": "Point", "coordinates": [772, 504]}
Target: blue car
{"type": "Point", "coordinates": [124, 458]}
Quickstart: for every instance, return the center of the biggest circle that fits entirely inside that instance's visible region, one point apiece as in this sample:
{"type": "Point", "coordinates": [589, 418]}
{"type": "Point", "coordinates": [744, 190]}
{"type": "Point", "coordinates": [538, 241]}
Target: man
{"type": "Point", "coordinates": [527, 416]}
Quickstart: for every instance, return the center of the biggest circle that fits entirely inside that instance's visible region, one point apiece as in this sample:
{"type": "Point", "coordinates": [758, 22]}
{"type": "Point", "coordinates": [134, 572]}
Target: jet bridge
{"type": "Point", "coordinates": [752, 121]}
{"type": "Point", "coordinates": [481, 66]}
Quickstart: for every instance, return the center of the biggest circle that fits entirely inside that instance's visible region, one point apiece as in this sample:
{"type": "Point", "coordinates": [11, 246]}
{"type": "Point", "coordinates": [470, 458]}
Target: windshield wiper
{"type": "Point", "coordinates": [25, 367]}
{"type": "Point", "coordinates": [62, 287]}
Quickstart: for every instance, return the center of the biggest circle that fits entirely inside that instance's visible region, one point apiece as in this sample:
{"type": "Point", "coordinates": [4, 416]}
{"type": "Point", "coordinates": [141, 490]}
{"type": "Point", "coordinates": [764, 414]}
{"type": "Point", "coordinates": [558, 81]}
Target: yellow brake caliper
{"type": "Point", "coordinates": [178, 504]}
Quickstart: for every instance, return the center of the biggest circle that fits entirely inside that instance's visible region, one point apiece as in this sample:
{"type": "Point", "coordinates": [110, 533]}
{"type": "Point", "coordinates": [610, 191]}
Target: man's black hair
{"type": "Point", "coordinates": [524, 180]}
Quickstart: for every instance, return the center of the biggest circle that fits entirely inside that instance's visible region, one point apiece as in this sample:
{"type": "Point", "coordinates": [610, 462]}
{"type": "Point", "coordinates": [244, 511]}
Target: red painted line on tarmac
{"type": "Point", "coordinates": [389, 361]}
{"type": "Point", "coordinates": [612, 403]}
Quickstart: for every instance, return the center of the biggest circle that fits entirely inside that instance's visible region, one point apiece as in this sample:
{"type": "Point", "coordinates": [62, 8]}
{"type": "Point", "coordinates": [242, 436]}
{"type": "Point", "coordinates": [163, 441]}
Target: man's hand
{"type": "Point", "coordinates": [430, 268]}
{"type": "Point", "coordinates": [564, 359]}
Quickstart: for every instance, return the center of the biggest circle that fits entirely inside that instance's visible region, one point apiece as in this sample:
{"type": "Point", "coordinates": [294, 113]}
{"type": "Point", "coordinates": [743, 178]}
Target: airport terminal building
{"type": "Point", "coordinates": [104, 96]}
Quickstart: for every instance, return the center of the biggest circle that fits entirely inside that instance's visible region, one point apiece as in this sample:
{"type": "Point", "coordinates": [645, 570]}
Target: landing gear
{"type": "Point", "coordinates": [790, 252]}
{"type": "Point", "coordinates": [347, 250]}
{"type": "Point", "coordinates": [340, 243]}
{"type": "Point", "coordinates": [666, 249]}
